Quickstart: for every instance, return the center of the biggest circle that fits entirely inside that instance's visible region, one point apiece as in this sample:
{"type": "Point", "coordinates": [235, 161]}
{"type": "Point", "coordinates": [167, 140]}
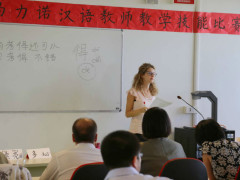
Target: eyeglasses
{"type": "Point", "coordinates": [151, 73]}
{"type": "Point", "coordinates": [139, 155]}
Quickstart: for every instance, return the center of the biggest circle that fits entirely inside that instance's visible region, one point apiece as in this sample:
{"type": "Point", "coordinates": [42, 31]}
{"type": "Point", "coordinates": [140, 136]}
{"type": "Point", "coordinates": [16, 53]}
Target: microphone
{"type": "Point", "coordinates": [179, 97]}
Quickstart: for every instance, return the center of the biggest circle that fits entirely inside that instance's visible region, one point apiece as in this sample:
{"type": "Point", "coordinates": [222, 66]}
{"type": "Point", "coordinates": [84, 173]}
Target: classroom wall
{"type": "Point", "coordinates": [219, 67]}
{"type": "Point", "coordinates": [173, 56]}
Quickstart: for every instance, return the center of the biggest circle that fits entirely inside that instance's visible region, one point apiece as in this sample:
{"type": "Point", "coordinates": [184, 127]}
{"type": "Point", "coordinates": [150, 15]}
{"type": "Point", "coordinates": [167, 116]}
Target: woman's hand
{"type": "Point", "coordinates": [129, 107]}
{"type": "Point", "coordinates": [143, 110]}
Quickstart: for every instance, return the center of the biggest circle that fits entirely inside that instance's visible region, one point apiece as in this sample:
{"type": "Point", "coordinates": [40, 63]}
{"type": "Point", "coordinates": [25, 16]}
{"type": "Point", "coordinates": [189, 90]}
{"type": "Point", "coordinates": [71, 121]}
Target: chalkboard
{"type": "Point", "coordinates": [59, 69]}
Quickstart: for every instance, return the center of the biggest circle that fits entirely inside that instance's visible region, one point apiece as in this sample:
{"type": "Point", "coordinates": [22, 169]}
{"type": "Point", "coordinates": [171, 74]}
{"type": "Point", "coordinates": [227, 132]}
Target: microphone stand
{"type": "Point", "coordinates": [179, 97]}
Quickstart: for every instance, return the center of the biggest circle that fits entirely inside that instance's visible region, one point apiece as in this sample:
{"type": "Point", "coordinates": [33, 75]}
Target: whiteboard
{"type": "Point", "coordinates": [59, 69]}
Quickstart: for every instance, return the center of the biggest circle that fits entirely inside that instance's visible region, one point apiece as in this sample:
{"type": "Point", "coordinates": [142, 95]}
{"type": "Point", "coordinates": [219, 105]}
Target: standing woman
{"type": "Point", "coordinates": [140, 97]}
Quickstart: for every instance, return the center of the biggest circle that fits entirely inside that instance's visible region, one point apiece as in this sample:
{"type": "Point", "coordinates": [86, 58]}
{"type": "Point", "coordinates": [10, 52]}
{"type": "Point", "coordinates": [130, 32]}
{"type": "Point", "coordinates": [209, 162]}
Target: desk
{"type": "Point", "coordinates": [35, 166]}
{"type": "Point", "coordinates": [35, 178]}
{"type": "Point", "coordinates": [186, 137]}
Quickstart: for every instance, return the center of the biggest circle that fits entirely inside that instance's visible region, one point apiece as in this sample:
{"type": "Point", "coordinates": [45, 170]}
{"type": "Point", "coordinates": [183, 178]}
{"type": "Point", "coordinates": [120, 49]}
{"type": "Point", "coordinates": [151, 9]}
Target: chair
{"type": "Point", "coordinates": [237, 177]}
{"type": "Point", "coordinates": [91, 171]}
{"type": "Point", "coordinates": [184, 169]}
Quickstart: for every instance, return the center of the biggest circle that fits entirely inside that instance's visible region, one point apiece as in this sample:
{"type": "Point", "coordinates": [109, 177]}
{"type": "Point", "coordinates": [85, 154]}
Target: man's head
{"type": "Point", "coordinates": [84, 131]}
{"type": "Point", "coordinates": [121, 149]}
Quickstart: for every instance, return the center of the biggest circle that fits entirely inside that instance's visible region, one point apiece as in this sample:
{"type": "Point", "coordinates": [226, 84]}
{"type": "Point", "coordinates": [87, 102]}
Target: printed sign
{"type": "Point", "coordinates": [184, 1]}
{"type": "Point", "coordinates": [13, 154]}
{"type": "Point", "coordinates": [41, 153]}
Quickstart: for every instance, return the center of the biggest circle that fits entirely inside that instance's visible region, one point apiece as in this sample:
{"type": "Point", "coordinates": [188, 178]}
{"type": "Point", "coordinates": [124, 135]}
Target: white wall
{"type": "Point", "coordinates": [172, 60]}
{"type": "Point", "coordinates": [220, 73]}
{"type": "Point", "coordinates": [219, 67]}
{"type": "Point", "coordinates": [173, 56]}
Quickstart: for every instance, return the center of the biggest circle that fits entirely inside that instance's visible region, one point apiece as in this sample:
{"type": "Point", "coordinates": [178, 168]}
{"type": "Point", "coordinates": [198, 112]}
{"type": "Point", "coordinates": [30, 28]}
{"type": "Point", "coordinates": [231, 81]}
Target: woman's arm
{"type": "Point", "coordinates": [129, 107]}
{"type": "Point", "coordinates": [207, 162]}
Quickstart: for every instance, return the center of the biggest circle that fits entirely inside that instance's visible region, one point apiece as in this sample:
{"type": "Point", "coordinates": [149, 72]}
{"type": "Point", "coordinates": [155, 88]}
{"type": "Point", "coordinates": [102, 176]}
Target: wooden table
{"type": "Point", "coordinates": [35, 166]}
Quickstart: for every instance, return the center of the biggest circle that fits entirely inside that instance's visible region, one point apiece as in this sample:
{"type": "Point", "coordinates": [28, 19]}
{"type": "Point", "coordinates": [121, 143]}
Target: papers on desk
{"type": "Point", "coordinates": [160, 103]}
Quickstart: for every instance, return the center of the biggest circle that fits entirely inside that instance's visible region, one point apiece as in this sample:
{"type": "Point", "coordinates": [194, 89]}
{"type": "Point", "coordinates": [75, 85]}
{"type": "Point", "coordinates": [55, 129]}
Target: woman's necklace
{"type": "Point", "coordinates": [147, 94]}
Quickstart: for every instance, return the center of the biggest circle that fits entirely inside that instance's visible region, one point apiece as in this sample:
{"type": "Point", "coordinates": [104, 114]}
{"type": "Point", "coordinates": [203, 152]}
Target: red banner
{"type": "Point", "coordinates": [62, 14]}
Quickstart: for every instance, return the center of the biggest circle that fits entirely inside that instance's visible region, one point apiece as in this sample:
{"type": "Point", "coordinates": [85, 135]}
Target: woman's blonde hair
{"type": "Point", "coordinates": [138, 80]}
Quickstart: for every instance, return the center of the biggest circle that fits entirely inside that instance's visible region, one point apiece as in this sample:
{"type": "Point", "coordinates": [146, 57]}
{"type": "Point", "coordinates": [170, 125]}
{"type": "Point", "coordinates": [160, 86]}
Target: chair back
{"type": "Point", "coordinates": [91, 171]}
{"type": "Point", "coordinates": [237, 177]}
{"type": "Point", "coordinates": [14, 172]}
{"type": "Point", "coordinates": [184, 169]}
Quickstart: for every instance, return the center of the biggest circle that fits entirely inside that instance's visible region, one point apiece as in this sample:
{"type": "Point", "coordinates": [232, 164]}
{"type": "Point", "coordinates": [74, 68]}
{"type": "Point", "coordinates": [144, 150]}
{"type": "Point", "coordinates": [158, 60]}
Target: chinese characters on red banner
{"type": "Point", "coordinates": [61, 14]}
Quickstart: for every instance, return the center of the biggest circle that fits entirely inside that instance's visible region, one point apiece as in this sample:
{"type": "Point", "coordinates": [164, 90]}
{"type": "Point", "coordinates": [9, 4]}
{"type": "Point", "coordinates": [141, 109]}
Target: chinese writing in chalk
{"type": "Point", "coordinates": [26, 51]}
{"type": "Point", "coordinates": [88, 57]}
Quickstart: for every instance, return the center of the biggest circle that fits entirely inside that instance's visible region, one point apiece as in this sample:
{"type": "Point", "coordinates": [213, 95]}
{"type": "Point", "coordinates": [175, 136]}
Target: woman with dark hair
{"type": "Point", "coordinates": [158, 149]}
{"type": "Point", "coordinates": [140, 97]}
{"type": "Point", "coordinates": [220, 156]}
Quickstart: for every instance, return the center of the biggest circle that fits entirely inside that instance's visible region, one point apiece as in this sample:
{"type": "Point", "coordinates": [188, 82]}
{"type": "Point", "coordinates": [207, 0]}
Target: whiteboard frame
{"type": "Point", "coordinates": [75, 111]}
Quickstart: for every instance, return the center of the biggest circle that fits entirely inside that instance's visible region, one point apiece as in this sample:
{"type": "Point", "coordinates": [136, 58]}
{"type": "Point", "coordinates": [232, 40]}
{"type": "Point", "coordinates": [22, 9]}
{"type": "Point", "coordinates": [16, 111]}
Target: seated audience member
{"type": "Point", "coordinates": [120, 152]}
{"type": "Point", "coordinates": [220, 156]}
{"type": "Point", "coordinates": [14, 172]}
{"type": "Point", "coordinates": [158, 149]}
{"type": "Point", "coordinates": [3, 159]}
{"type": "Point", "coordinates": [64, 163]}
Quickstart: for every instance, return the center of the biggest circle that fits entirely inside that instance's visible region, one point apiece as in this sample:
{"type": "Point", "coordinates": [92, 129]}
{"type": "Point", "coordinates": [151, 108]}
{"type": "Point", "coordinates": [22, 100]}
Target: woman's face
{"type": "Point", "coordinates": [149, 75]}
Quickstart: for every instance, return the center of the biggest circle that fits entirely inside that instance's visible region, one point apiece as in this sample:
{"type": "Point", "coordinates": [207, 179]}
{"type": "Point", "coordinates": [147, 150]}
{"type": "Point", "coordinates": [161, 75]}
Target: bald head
{"type": "Point", "coordinates": [84, 130]}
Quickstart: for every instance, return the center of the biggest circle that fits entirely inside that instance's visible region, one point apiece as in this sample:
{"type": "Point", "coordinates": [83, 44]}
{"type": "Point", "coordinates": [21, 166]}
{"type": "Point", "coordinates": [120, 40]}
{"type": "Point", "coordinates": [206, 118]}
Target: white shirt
{"type": "Point", "coordinates": [63, 164]}
{"type": "Point", "coordinates": [140, 102]}
{"type": "Point", "coordinates": [129, 173]}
